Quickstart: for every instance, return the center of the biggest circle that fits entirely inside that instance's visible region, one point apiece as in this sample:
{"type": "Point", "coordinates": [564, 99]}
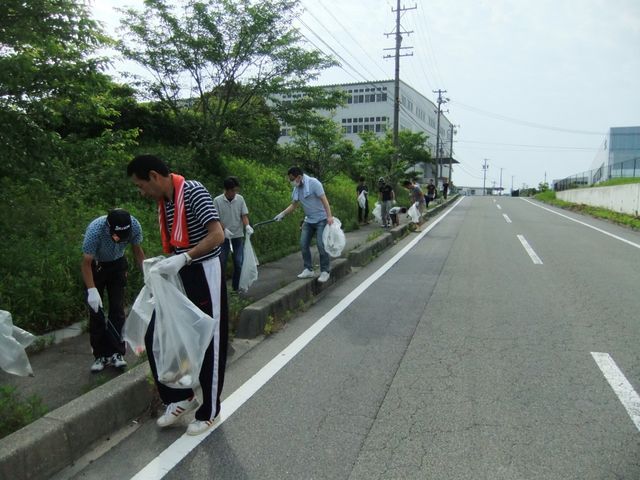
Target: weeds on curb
{"type": "Point", "coordinates": [15, 413]}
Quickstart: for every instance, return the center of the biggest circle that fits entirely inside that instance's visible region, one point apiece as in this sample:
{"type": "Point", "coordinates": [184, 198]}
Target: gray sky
{"type": "Point", "coordinates": [533, 85]}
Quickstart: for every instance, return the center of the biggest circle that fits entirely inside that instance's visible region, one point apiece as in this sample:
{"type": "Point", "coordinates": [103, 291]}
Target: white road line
{"type": "Point", "coordinates": [506, 217]}
{"type": "Point", "coordinates": [534, 257]}
{"type": "Point", "coordinates": [628, 242]}
{"type": "Point", "coordinates": [499, 207]}
{"type": "Point", "coordinates": [169, 458]}
{"type": "Point", "coordinates": [620, 385]}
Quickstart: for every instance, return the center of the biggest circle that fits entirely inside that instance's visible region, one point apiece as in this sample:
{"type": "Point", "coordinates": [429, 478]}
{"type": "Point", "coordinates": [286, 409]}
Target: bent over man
{"type": "Point", "coordinates": [105, 266]}
{"type": "Point", "coordinates": [190, 229]}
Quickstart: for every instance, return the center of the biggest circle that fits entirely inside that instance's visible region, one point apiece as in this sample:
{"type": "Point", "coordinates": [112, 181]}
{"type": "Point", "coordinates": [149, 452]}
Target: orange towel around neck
{"type": "Point", "coordinates": [179, 235]}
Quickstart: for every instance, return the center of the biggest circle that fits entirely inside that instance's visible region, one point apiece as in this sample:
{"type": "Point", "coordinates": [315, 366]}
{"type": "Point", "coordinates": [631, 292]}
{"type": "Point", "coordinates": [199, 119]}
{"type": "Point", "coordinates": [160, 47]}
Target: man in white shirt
{"type": "Point", "coordinates": [234, 217]}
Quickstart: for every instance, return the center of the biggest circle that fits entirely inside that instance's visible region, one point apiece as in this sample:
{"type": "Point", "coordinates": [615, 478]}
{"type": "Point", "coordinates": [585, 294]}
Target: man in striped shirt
{"type": "Point", "coordinates": [191, 230]}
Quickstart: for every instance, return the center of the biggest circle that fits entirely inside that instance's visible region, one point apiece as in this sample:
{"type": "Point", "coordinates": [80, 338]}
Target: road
{"type": "Point", "coordinates": [484, 351]}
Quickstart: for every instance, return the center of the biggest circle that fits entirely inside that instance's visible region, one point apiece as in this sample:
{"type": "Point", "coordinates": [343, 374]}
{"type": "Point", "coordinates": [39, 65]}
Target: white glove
{"type": "Point", "coordinates": [170, 265]}
{"type": "Point", "coordinates": [249, 230]}
{"type": "Point", "coordinates": [227, 233]}
{"type": "Point", "coordinates": [279, 217]}
{"type": "Point", "coordinates": [93, 299]}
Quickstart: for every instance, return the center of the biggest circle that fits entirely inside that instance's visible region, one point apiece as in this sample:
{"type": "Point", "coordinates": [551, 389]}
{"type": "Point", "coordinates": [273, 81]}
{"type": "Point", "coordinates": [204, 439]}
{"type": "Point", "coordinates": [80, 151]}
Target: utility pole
{"type": "Point", "coordinates": [438, 145]}
{"type": "Point", "coordinates": [501, 180]}
{"type": "Point", "coordinates": [485, 167]}
{"type": "Point", "coordinates": [396, 94]}
{"type": "Point", "coordinates": [453, 131]}
{"type": "Point", "coordinates": [512, 176]}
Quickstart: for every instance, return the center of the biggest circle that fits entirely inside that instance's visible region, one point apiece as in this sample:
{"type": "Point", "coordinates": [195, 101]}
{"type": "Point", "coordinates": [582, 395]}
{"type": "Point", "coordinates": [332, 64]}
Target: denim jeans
{"type": "Point", "coordinates": [238, 258]}
{"type": "Point", "coordinates": [308, 230]}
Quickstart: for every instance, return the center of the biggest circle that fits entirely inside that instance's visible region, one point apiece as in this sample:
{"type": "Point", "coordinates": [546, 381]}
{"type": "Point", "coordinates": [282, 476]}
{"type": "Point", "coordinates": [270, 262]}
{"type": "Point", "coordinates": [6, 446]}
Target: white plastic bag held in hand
{"type": "Point", "coordinates": [13, 341]}
{"type": "Point", "coordinates": [377, 213]}
{"type": "Point", "coordinates": [333, 238]}
{"type": "Point", "coordinates": [362, 199]}
{"type": "Point", "coordinates": [414, 213]}
{"type": "Point", "coordinates": [138, 320]}
{"type": "Point", "coordinates": [249, 271]}
{"type": "Point", "coordinates": [135, 328]}
{"type": "Point", "coordinates": [182, 331]}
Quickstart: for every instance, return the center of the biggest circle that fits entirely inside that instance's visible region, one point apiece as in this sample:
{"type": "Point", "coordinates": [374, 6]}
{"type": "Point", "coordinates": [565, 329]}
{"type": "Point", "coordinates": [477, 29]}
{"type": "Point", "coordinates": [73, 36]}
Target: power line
{"type": "Point", "coordinates": [351, 36]}
{"type": "Point", "coordinates": [553, 147]}
{"type": "Point", "coordinates": [524, 122]}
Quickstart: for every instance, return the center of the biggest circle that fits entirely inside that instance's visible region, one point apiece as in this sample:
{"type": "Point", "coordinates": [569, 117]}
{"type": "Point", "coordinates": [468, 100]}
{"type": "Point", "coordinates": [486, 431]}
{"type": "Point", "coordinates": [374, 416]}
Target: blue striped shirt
{"type": "Point", "coordinates": [99, 244]}
{"type": "Point", "coordinates": [200, 210]}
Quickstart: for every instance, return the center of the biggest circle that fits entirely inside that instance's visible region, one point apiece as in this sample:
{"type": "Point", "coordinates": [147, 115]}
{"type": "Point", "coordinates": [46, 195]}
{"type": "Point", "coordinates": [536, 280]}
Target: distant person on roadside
{"type": "Point", "coordinates": [363, 212]}
{"type": "Point", "coordinates": [416, 196]}
{"type": "Point", "coordinates": [387, 198]}
{"type": "Point", "coordinates": [105, 266]}
{"type": "Point", "coordinates": [431, 193]}
{"type": "Point", "coordinates": [309, 192]}
{"type": "Point", "coordinates": [234, 216]}
{"type": "Point", "coordinates": [445, 188]}
{"type": "Point", "coordinates": [190, 229]}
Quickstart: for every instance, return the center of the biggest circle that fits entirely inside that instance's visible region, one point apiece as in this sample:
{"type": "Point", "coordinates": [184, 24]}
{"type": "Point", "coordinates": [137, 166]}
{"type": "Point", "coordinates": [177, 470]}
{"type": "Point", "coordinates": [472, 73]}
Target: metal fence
{"type": "Point", "coordinates": [628, 168]}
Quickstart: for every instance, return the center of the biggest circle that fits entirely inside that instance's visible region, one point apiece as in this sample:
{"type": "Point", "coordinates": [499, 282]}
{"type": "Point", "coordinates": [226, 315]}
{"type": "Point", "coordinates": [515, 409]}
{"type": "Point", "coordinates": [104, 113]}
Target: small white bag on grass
{"type": "Point", "coordinates": [13, 341]}
{"type": "Point", "coordinates": [249, 271]}
{"type": "Point", "coordinates": [333, 238]}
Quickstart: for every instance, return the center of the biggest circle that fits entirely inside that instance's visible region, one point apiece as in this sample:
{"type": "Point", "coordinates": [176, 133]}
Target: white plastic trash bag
{"type": "Point", "coordinates": [249, 271]}
{"type": "Point", "coordinates": [377, 212]}
{"type": "Point", "coordinates": [182, 332]}
{"type": "Point", "coordinates": [414, 213]}
{"type": "Point", "coordinates": [135, 327]}
{"type": "Point", "coordinates": [13, 341]}
{"type": "Point", "coordinates": [333, 238]}
{"type": "Point", "coordinates": [362, 199]}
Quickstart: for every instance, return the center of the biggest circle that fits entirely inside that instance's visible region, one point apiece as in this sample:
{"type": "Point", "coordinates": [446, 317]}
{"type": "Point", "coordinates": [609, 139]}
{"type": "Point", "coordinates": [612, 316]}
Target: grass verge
{"type": "Point", "coordinates": [620, 218]}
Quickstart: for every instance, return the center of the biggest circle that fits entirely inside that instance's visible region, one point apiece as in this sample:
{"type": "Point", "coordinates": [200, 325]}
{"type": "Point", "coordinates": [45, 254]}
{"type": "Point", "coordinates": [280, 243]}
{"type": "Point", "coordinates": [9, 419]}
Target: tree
{"type": "Point", "coordinates": [218, 57]}
{"type": "Point", "coordinates": [375, 157]}
{"type": "Point", "coordinates": [319, 147]}
{"type": "Point", "coordinates": [48, 76]}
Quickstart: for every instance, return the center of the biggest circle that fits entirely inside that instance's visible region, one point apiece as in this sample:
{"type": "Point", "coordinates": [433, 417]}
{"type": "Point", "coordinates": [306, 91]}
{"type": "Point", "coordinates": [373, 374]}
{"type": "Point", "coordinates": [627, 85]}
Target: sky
{"type": "Point", "coordinates": [534, 86]}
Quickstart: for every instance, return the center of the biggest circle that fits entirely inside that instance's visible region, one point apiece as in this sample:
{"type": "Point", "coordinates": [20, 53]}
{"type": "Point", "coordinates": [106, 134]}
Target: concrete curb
{"type": "Point", "coordinates": [56, 440]}
{"type": "Point", "coordinates": [254, 317]}
{"type": "Point", "coordinates": [62, 436]}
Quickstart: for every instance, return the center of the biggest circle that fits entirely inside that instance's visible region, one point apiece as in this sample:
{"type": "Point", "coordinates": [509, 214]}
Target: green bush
{"type": "Point", "coordinates": [44, 223]}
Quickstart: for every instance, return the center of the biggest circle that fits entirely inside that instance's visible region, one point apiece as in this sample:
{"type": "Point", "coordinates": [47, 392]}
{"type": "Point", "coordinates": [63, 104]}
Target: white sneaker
{"type": "Point", "coordinates": [98, 364]}
{"type": "Point", "coordinates": [324, 276]}
{"type": "Point", "coordinates": [175, 410]}
{"type": "Point", "coordinates": [200, 426]}
{"type": "Point", "coordinates": [306, 273]}
{"type": "Point", "coordinates": [117, 361]}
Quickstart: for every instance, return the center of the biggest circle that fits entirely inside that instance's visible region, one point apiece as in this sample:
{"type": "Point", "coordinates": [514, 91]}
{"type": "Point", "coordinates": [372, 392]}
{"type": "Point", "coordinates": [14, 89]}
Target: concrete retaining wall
{"type": "Point", "coordinates": [618, 198]}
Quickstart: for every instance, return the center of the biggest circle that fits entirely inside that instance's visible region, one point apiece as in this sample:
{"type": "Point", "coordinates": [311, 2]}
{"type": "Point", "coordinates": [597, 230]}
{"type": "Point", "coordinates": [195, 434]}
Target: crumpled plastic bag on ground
{"type": "Point", "coordinates": [333, 238]}
{"type": "Point", "coordinates": [414, 213]}
{"type": "Point", "coordinates": [182, 331]}
{"type": "Point", "coordinates": [377, 212]}
{"type": "Point", "coordinates": [249, 271]}
{"type": "Point", "coordinates": [13, 341]}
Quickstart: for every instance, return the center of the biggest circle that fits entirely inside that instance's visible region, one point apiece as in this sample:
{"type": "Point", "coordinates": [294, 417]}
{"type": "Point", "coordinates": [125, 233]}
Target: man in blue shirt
{"type": "Point", "coordinates": [309, 192]}
{"type": "Point", "coordinates": [105, 266]}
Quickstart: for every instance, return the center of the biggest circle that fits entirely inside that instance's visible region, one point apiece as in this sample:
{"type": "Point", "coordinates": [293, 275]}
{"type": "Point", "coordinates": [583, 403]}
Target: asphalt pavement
{"type": "Point", "coordinates": [86, 408]}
